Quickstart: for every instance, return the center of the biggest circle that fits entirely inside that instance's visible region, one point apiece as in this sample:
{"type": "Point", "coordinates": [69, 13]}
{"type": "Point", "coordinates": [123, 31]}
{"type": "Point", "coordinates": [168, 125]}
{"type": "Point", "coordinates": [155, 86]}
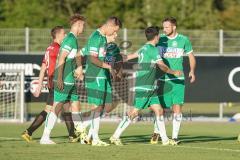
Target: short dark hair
{"type": "Point", "coordinates": [171, 20]}
{"type": "Point", "coordinates": [76, 17]}
{"type": "Point", "coordinates": [151, 32]}
{"type": "Point", "coordinates": [116, 21]}
{"type": "Point", "coordinates": [55, 30]}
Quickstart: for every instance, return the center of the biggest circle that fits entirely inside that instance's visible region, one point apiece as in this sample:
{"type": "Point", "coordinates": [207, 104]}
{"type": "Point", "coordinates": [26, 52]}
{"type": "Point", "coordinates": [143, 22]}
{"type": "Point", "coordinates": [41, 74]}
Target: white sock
{"type": "Point", "coordinates": [95, 125]}
{"type": "Point", "coordinates": [89, 136]}
{"type": "Point", "coordinates": [155, 126]}
{"type": "Point", "coordinates": [122, 126]}
{"type": "Point", "coordinates": [159, 126]}
{"type": "Point", "coordinates": [87, 120]}
{"type": "Point", "coordinates": [77, 120]}
{"type": "Point", "coordinates": [49, 124]}
{"type": "Point", "coordinates": [177, 119]}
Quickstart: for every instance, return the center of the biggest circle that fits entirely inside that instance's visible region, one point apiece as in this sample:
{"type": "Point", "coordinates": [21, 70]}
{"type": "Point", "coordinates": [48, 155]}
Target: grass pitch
{"type": "Point", "coordinates": [199, 141]}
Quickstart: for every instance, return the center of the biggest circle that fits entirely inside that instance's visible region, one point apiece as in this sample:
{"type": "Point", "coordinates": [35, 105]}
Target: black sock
{"type": "Point", "coordinates": [37, 122]}
{"type": "Point", "coordinates": [69, 123]}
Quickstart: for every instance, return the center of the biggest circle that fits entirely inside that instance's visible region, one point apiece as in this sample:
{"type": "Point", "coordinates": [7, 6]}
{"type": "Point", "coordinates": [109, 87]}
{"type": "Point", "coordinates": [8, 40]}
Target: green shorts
{"type": "Point", "coordinates": [144, 99]}
{"type": "Point", "coordinates": [99, 91]}
{"type": "Point", "coordinates": [69, 93]}
{"type": "Point", "coordinates": [171, 92]}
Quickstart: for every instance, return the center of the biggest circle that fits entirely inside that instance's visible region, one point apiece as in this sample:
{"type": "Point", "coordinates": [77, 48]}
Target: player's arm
{"type": "Point", "coordinates": [78, 73]}
{"type": "Point", "coordinates": [98, 62]}
{"type": "Point", "coordinates": [132, 56]}
{"type": "Point", "coordinates": [192, 63]}
{"type": "Point", "coordinates": [166, 69]}
{"type": "Point", "coordinates": [40, 80]}
{"type": "Point", "coordinates": [61, 63]}
{"type": "Point", "coordinates": [94, 47]}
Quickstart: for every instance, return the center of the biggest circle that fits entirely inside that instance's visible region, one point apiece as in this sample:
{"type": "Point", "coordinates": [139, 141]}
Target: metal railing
{"type": "Point", "coordinates": [205, 42]}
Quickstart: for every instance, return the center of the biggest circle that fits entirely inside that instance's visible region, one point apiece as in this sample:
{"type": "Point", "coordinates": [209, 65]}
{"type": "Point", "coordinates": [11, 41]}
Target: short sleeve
{"type": "Point", "coordinates": [155, 55]}
{"type": "Point", "coordinates": [67, 45]}
{"type": "Point", "coordinates": [94, 45]}
{"type": "Point", "coordinates": [188, 46]}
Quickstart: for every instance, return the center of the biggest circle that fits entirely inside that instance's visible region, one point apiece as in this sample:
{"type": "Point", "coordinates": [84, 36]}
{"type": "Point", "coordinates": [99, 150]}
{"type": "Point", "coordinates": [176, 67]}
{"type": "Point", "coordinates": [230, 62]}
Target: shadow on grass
{"type": "Point", "coordinates": [183, 139]}
{"type": "Point", "coordinates": [196, 139]}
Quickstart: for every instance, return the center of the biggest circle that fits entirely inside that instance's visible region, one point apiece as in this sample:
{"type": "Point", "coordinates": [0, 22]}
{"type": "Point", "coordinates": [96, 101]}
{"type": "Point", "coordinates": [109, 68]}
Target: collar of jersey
{"type": "Point", "coordinates": [173, 37]}
{"type": "Point", "coordinates": [73, 34]}
{"type": "Point", "coordinates": [100, 32]}
{"type": "Point", "coordinates": [150, 44]}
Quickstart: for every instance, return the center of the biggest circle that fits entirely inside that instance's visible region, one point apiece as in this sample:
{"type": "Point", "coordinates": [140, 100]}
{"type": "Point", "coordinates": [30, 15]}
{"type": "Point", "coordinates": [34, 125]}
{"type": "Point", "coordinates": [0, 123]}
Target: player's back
{"type": "Point", "coordinates": [70, 46]}
{"type": "Point", "coordinates": [50, 59]}
{"type": "Point", "coordinates": [146, 72]}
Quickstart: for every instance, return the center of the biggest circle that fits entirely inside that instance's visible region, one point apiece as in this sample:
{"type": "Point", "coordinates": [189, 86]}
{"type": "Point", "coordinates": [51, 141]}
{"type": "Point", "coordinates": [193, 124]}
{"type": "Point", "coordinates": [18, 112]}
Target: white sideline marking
{"type": "Point", "coordinates": [9, 138]}
{"type": "Point", "coordinates": [203, 148]}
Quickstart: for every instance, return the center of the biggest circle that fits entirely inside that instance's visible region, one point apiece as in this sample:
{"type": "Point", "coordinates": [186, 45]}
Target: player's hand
{"type": "Point", "coordinates": [124, 57]}
{"type": "Point", "coordinates": [37, 92]}
{"type": "Point", "coordinates": [192, 76]}
{"type": "Point", "coordinates": [177, 73]}
{"type": "Point", "coordinates": [78, 73]}
{"type": "Point", "coordinates": [113, 72]}
{"type": "Point", "coordinates": [60, 84]}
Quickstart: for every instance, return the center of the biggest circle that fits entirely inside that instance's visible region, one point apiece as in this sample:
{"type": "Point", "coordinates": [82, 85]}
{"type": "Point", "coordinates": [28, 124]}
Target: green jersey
{"type": "Point", "coordinates": [148, 56]}
{"type": "Point", "coordinates": [96, 46]}
{"type": "Point", "coordinates": [172, 51]}
{"type": "Point", "coordinates": [69, 45]}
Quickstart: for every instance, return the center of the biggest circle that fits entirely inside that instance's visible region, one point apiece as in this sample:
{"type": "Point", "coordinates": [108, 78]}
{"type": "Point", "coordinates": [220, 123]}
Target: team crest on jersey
{"type": "Point", "coordinates": [174, 44]}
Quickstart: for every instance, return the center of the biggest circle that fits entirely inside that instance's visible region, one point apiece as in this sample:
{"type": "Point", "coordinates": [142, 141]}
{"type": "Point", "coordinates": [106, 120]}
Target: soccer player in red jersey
{"type": "Point", "coordinates": [48, 66]}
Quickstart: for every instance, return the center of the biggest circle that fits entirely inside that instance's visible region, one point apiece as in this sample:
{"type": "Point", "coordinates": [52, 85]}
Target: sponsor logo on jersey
{"type": "Point", "coordinates": [170, 52]}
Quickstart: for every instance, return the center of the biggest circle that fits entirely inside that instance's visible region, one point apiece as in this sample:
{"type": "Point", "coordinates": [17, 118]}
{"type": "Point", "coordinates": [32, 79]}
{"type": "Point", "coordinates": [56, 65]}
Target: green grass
{"type": "Point", "coordinates": [199, 141]}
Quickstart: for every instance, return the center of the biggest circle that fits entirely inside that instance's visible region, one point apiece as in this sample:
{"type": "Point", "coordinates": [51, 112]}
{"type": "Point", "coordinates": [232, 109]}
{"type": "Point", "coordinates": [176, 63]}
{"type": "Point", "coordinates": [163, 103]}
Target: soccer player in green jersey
{"type": "Point", "coordinates": [145, 89]}
{"type": "Point", "coordinates": [97, 75]}
{"type": "Point", "coordinates": [64, 79]}
{"type": "Point", "coordinates": [113, 58]}
{"type": "Point", "coordinates": [172, 47]}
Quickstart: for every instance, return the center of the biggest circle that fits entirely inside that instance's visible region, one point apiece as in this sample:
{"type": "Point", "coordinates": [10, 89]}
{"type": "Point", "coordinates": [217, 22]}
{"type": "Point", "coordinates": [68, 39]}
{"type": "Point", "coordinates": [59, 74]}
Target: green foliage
{"type": "Point", "coordinates": [135, 14]}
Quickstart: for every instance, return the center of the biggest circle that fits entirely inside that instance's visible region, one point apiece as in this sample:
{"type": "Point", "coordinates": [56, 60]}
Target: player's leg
{"type": "Point", "coordinates": [96, 94]}
{"type": "Point", "coordinates": [41, 117]}
{"type": "Point", "coordinates": [178, 101]}
{"type": "Point", "coordinates": [165, 98]}
{"type": "Point", "coordinates": [108, 107]}
{"type": "Point", "coordinates": [60, 98]}
{"type": "Point", "coordinates": [77, 117]}
{"type": "Point", "coordinates": [108, 103]}
{"type": "Point", "coordinates": [26, 135]}
{"type": "Point", "coordinates": [140, 102]}
{"type": "Point", "coordinates": [50, 122]}
{"type": "Point", "coordinates": [126, 121]}
{"type": "Point", "coordinates": [159, 123]}
{"type": "Point", "coordinates": [67, 115]}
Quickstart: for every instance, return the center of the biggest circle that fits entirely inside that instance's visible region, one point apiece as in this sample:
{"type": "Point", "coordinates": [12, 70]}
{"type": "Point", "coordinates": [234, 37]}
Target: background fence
{"type": "Point", "coordinates": [35, 41]}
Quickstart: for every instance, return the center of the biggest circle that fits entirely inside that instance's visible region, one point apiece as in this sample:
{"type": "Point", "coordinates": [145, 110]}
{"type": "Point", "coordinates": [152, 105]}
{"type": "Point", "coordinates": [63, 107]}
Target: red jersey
{"type": "Point", "coordinates": [49, 59]}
